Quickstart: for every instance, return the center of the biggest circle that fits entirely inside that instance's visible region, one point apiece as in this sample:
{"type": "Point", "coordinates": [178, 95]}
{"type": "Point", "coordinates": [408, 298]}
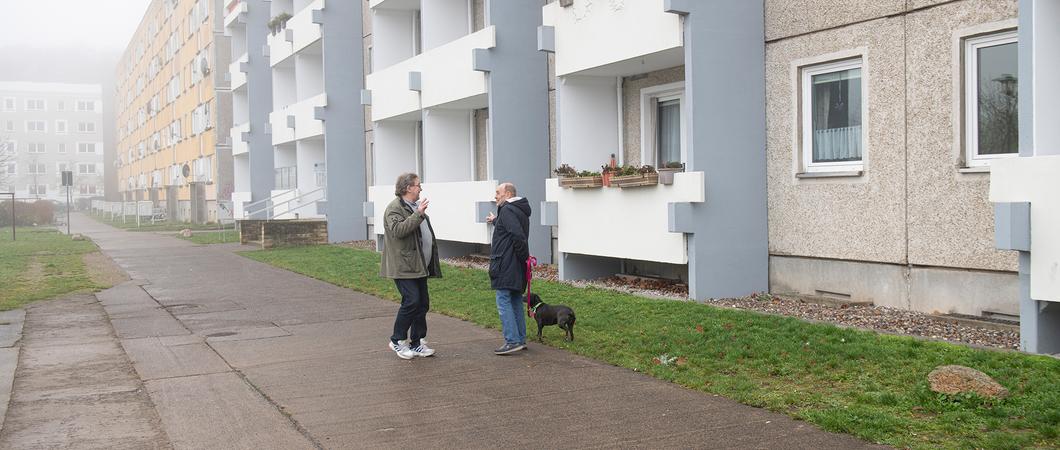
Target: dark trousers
{"type": "Point", "coordinates": [413, 312]}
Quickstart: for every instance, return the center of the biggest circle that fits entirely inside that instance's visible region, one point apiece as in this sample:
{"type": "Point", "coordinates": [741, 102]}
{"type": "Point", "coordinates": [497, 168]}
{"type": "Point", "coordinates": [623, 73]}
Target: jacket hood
{"type": "Point", "coordinates": [522, 204]}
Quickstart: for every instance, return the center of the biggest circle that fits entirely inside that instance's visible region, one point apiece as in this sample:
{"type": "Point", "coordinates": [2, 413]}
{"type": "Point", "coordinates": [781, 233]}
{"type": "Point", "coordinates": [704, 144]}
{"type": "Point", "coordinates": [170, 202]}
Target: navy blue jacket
{"type": "Point", "coordinates": [509, 250]}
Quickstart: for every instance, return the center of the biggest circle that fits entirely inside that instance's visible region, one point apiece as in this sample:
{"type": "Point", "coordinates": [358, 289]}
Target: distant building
{"type": "Point", "coordinates": [46, 128]}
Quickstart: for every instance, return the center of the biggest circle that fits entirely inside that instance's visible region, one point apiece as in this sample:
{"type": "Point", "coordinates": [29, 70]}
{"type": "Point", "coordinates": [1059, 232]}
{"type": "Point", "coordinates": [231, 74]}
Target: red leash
{"type": "Point", "coordinates": [530, 263]}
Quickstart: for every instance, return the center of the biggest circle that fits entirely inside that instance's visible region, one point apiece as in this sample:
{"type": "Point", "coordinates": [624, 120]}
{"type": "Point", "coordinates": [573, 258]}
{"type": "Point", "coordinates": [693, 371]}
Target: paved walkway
{"type": "Point", "coordinates": [238, 354]}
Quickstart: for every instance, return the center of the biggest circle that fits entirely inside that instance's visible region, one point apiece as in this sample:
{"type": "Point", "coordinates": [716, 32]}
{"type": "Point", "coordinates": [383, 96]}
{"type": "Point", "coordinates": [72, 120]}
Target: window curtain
{"type": "Point", "coordinates": [836, 115]}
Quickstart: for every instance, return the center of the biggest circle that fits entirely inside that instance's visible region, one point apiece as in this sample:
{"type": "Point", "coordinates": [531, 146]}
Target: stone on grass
{"type": "Point", "coordinates": [186, 232]}
{"type": "Point", "coordinates": [956, 379]}
{"type": "Point", "coordinates": [78, 237]}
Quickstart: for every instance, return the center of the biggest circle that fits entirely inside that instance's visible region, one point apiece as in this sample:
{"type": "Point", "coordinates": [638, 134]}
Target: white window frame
{"type": "Point", "coordinates": [44, 124]}
{"type": "Point", "coordinates": [36, 148]}
{"type": "Point", "coordinates": [648, 128]}
{"type": "Point", "coordinates": [971, 95]}
{"type": "Point", "coordinates": [34, 189]}
{"type": "Point", "coordinates": [92, 104]}
{"type": "Point", "coordinates": [82, 127]}
{"type": "Point", "coordinates": [86, 168]}
{"type": "Point", "coordinates": [806, 115]}
{"type": "Point", "coordinates": [33, 169]}
{"type": "Point", "coordinates": [65, 128]}
{"type": "Point", "coordinates": [60, 147]}
{"type": "Point", "coordinates": [11, 168]}
{"type": "Point", "coordinates": [10, 126]}
{"type": "Point", "coordinates": [44, 104]}
{"type": "Point", "coordinates": [10, 101]}
{"type": "Point", "coordinates": [86, 153]}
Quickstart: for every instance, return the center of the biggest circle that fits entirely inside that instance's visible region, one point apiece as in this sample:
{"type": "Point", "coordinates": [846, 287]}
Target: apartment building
{"type": "Point", "coordinates": [174, 112]}
{"type": "Point", "coordinates": [458, 94]}
{"type": "Point", "coordinates": [297, 70]}
{"type": "Point", "coordinates": [48, 128]}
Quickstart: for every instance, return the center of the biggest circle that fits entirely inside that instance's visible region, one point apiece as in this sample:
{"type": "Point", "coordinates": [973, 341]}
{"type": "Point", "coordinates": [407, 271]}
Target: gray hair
{"type": "Point", "coordinates": [404, 182]}
{"type": "Point", "coordinates": [509, 188]}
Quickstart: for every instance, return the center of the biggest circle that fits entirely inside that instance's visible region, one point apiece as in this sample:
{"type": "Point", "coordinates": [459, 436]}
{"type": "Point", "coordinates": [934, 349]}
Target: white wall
{"type": "Point", "coordinates": [443, 21]}
{"type": "Point", "coordinates": [241, 172]}
{"type": "Point", "coordinates": [391, 37]}
{"type": "Point", "coordinates": [452, 209]}
{"type": "Point", "coordinates": [310, 75]}
{"type": "Point", "coordinates": [1035, 180]}
{"type": "Point", "coordinates": [1046, 73]}
{"type": "Point", "coordinates": [628, 223]}
{"type": "Point", "coordinates": [588, 116]}
{"type": "Point", "coordinates": [395, 150]}
{"type": "Point", "coordinates": [283, 87]}
{"type": "Point", "coordinates": [240, 107]}
{"type": "Point", "coordinates": [310, 152]}
{"type": "Point", "coordinates": [447, 147]}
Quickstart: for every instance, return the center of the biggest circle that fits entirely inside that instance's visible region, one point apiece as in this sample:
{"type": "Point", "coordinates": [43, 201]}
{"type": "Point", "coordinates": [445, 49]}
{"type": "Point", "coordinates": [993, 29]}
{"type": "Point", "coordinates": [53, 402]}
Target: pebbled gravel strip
{"type": "Point", "coordinates": [877, 318]}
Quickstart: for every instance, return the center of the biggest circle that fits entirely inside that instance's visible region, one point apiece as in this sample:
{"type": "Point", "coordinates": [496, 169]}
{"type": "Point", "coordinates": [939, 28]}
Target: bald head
{"type": "Point", "coordinates": [505, 191]}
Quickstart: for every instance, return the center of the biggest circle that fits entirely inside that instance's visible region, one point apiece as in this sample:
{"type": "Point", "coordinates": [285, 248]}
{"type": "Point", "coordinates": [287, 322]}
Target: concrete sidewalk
{"type": "Point", "coordinates": [238, 354]}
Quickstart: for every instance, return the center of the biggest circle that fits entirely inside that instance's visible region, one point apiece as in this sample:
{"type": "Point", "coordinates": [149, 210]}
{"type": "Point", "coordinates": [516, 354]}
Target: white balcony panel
{"type": "Point", "coordinates": [238, 146]}
{"type": "Point", "coordinates": [452, 209]}
{"type": "Point", "coordinates": [306, 125]}
{"type": "Point", "coordinates": [633, 37]}
{"type": "Point", "coordinates": [630, 223]}
{"type": "Point", "coordinates": [281, 133]}
{"type": "Point", "coordinates": [238, 78]}
{"type": "Point", "coordinates": [283, 201]}
{"type": "Point", "coordinates": [238, 200]}
{"type": "Point", "coordinates": [447, 79]}
{"type": "Point", "coordinates": [232, 11]}
{"type": "Point", "coordinates": [448, 76]}
{"type": "Point", "coordinates": [1035, 180]}
{"type": "Point", "coordinates": [301, 24]}
{"type": "Point", "coordinates": [279, 48]}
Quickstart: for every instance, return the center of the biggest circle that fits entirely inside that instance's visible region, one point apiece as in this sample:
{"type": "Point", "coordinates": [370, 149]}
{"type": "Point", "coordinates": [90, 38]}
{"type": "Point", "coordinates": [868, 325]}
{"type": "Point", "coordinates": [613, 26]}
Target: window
{"type": "Point", "coordinates": [89, 105]}
{"type": "Point", "coordinates": [36, 147]}
{"type": "Point", "coordinates": [12, 168]}
{"type": "Point", "coordinates": [39, 126]}
{"type": "Point", "coordinates": [60, 126]}
{"type": "Point", "coordinates": [88, 189]}
{"type": "Point", "coordinates": [60, 105]}
{"type": "Point", "coordinates": [86, 127]}
{"type": "Point", "coordinates": [60, 168]}
{"type": "Point", "coordinates": [662, 124]}
{"type": "Point", "coordinates": [990, 98]}
{"type": "Point", "coordinates": [34, 105]}
{"type": "Point", "coordinates": [832, 110]}
{"type": "Point", "coordinates": [38, 189]}
{"type": "Point", "coordinates": [86, 147]}
{"type": "Point", "coordinates": [36, 169]}
{"type": "Point", "coordinates": [10, 126]}
{"type": "Point", "coordinates": [9, 104]}
{"type": "Point", "coordinates": [60, 147]}
{"type": "Point", "coordinates": [8, 148]}
{"type": "Point", "coordinates": [86, 169]}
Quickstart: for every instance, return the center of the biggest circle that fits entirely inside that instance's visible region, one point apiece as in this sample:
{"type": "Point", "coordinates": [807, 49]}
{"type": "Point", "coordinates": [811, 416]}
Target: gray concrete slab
{"type": "Point", "coordinates": [8, 364]}
{"type": "Point", "coordinates": [70, 393]}
{"type": "Point", "coordinates": [153, 358]}
{"type": "Point", "coordinates": [221, 410]}
{"type": "Point", "coordinates": [11, 327]}
{"type": "Point", "coordinates": [310, 362]}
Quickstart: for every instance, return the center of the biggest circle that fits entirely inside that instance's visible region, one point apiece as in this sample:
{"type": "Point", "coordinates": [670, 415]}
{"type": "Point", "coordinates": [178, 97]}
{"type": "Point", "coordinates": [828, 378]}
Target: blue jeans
{"type": "Point", "coordinates": [510, 306]}
{"type": "Point", "coordinates": [411, 320]}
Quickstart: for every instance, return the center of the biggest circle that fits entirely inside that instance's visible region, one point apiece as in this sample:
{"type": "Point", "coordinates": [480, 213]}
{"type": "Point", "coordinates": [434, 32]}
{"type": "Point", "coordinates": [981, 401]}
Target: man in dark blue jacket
{"type": "Point", "coordinates": [508, 255]}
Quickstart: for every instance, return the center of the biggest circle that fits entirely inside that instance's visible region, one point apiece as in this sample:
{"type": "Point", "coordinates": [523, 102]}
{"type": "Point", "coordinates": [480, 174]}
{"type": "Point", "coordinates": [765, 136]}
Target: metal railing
{"type": "Point", "coordinates": [269, 209]}
{"type": "Point", "coordinates": [286, 177]}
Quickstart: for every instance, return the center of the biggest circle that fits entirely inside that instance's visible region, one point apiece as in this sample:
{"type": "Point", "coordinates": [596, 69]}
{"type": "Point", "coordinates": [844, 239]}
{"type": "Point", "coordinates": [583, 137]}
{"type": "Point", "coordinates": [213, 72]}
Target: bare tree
{"type": "Point", "coordinates": [999, 116]}
{"type": "Point", "coordinates": [7, 156]}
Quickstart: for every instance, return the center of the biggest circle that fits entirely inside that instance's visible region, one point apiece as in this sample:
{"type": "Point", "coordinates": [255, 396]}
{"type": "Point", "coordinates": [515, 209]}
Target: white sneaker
{"type": "Point", "coordinates": [423, 350]}
{"type": "Point", "coordinates": [402, 349]}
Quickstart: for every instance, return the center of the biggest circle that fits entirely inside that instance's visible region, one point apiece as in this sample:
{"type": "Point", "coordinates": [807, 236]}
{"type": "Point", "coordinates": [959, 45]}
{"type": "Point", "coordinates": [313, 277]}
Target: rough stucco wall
{"type": "Point", "coordinates": [857, 218]}
{"type": "Point", "coordinates": [631, 87]}
{"type": "Point", "coordinates": [481, 142]}
{"type": "Point", "coordinates": [951, 220]}
{"type": "Point", "coordinates": [792, 17]}
{"type": "Point", "coordinates": [478, 14]}
{"type": "Point", "coordinates": [553, 148]}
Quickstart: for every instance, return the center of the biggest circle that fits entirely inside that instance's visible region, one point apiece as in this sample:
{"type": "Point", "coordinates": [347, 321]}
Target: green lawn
{"type": "Point", "coordinates": [213, 236]}
{"type": "Point", "coordinates": [41, 263]}
{"type": "Point", "coordinates": [870, 385]}
{"type": "Point", "coordinates": [146, 225]}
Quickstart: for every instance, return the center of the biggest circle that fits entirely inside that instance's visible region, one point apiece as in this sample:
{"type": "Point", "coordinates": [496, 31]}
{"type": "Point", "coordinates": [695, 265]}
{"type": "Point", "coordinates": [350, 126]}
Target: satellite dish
{"type": "Point", "coordinates": [186, 171]}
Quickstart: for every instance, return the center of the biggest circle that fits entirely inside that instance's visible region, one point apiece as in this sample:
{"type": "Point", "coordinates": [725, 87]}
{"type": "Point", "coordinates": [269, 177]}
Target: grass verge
{"type": "Point", "coordinates": [851, 381]}
{"type": "Point", "coordinates": [42, 263]}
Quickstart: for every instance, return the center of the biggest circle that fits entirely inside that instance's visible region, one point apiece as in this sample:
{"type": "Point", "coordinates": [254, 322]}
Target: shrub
{"type": "Point", "coordinates": [28, 214]}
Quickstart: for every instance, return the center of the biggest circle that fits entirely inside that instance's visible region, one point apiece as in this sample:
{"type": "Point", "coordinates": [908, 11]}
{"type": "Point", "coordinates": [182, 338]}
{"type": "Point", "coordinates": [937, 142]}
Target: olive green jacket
{"type": "Point", "coordinates": [402, 257]}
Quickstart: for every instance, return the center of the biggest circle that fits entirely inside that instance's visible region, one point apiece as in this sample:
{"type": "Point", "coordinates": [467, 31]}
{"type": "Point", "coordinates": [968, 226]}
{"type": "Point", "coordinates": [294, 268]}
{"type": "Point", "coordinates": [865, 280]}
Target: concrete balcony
{"type": "Point", "coordinates": [623, 39]}
{"type": "Point", "coordinates": [443, 77]}
{"type": "Point", "coordinates": [394, 4]}
{"type": "Point", "coordinates": [298, 121]}
{"type": "Point", "coordinates": [629, 223]}
{"type": "Point", "coordinates": [299, 33]}
{"type": "Point", "coordinates": [239, 146]}
{"type": "Point", "coordinates": [233, 9]}
{"type": "Point", "coordinates": [235, 71]}
{"type": "Point", "coordinates": [454, 211]}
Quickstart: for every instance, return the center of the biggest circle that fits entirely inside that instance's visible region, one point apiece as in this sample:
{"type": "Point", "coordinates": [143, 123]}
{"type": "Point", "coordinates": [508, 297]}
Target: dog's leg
{"type": "Point", "coordinates": [570, 331]}
{"type": "Point", "coordinates": [539, 331]}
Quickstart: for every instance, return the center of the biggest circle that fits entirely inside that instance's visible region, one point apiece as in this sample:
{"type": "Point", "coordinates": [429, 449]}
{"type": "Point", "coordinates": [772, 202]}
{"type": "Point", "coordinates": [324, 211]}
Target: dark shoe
{"type": "Point", "coordinates": [508, 349]}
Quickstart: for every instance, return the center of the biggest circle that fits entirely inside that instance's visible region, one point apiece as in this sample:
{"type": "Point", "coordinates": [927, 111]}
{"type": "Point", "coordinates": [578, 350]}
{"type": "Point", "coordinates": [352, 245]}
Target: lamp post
{"type": "Point", "coordinates": [12, 194]}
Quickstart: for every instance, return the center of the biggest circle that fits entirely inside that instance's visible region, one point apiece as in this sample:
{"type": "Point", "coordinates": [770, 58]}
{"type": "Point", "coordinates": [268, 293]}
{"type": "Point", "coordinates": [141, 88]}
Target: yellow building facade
{"type": "Point", "coordinates": [172, 107]}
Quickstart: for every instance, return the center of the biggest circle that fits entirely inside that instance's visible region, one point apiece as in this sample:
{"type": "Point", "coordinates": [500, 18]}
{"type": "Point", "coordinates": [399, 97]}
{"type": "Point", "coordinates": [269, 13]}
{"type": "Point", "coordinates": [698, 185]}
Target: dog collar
{"type": "Point", "coordinates": [534, 309]}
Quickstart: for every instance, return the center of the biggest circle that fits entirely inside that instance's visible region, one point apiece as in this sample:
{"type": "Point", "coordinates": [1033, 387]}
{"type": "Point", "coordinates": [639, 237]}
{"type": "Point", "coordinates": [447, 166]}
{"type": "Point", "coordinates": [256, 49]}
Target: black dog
{"type": "Point", "coordinates": [546, 314]}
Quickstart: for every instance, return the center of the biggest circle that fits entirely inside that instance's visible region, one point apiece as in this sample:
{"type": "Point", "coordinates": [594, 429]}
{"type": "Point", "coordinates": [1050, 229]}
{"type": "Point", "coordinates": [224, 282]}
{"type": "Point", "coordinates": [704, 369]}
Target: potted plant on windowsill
{"type": "Point", "coordinates": [569, 177]}
{"type": "Point", "coordinates": [279, 22]}
{"type": "Point", "coordinates": [630, 176]}
{"type": "Point", "coordinates": [667, 171]}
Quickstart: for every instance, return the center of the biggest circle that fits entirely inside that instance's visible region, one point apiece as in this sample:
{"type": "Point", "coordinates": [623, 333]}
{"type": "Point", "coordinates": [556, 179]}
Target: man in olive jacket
{"type": "Point", "coordinates": [508, 253]}
{"type": "Point", "coordinates": [410, 256]}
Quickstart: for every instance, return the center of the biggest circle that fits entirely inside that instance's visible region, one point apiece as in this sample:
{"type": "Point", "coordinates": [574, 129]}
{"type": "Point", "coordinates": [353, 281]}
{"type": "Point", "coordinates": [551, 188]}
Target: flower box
{"type": "Point", "coordinates": [581, 182]}
{"type": "Point", "coordinates": [640, 179]}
